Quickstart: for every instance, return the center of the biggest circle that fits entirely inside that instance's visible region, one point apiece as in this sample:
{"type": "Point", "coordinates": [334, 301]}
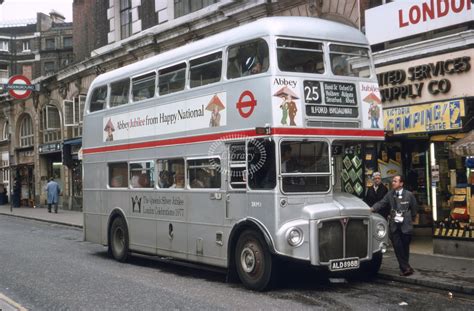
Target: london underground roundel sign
{"type": "Point", "coordinates": [19, 87]}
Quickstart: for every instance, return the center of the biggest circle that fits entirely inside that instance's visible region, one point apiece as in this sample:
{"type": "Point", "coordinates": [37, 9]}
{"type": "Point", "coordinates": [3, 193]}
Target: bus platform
{"type": "Point", "coordinates": [452, 274]}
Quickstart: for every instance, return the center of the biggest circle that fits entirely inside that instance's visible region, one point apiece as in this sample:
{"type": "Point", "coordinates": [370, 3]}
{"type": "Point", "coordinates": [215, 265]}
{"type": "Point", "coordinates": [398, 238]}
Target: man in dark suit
{"type": "Point", "coordinates": [403, 210]}
{"type": "Point", "coordinates": [376, 192]}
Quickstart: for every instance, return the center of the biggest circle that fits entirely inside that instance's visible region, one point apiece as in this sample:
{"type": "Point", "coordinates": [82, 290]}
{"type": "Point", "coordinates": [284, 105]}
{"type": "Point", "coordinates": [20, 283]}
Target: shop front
{"type": "Point", "coordinates": [73, 161]}
{"type": "Point", "coordinates": [51, 167]}
{"type": "Point", "coordinates": [23, 189]}
{"type": "Point", "coordinates": [428, 107]}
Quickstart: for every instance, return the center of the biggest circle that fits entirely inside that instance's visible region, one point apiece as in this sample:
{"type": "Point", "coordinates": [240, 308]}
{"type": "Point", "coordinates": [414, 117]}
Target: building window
{"type": "Point", "coordinates": [3, 45]}
{"type": "Point", "coordinates": [51, 124]}
{"type": "Point", "coordinates": [67, 42]}
{"type": "Point", "coordinates": [26, 46]}
{"type": "Point", "coordinates": [3, 72]}
{"type": "Point", "coordinates": [125, 18]}
{"type": "Point", "coordinates": [6, 131]}
{"type": "Point", "coordinates": [26, 132]}
{"type": "Point", "coordinates": [183, 7]}
{"type": "Point", "coordinates": [48, 67]}
{"type": "Point", "coordinates": [50, 44]}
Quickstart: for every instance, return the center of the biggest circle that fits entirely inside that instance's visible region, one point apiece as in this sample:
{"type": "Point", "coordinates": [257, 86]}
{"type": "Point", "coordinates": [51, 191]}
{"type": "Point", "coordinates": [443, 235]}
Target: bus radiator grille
{"type": "Point", "coordinates": [331, 239]}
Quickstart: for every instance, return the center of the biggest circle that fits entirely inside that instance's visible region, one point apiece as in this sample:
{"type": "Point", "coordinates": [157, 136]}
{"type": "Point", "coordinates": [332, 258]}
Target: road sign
{"type": "Point", "coordinates": [19, 87]}
{"type": "Point", "coordinates": [246, 104]}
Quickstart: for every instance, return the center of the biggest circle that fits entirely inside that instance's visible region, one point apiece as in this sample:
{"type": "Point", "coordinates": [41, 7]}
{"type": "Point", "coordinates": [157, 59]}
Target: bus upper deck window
{"type": "Point", "coordinates": [143, 87]}
{"type": "Point", "coordinates": [119, 92]}
{"type": "Point", "coordinates": [98, 99]}
{"type": "Point", "coordinates": [205, 70]}
{"type": "Point", "coordinates": [300, 56]}
{"type": "Point", "coordinates": [351, 61]}
{"type": "Point", "coordinates": [172, 79]}
{"type": "Point", "coordinates": [247, 59]}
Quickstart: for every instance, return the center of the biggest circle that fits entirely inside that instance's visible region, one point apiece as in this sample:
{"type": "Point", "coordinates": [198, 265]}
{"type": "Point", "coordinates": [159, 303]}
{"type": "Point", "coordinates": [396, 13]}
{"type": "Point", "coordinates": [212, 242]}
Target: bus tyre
{"type": "Point", "coordinates": [368, 270]}
{"type": "Point", "coordinates": [118, 244]}
{"type": "Point", "coordinates": [254, 262]}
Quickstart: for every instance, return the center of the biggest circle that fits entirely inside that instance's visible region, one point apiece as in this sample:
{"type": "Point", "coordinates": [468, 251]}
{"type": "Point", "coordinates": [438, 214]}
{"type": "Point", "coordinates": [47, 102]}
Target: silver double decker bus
{"type": "Point", "coordinates": [226, 152]}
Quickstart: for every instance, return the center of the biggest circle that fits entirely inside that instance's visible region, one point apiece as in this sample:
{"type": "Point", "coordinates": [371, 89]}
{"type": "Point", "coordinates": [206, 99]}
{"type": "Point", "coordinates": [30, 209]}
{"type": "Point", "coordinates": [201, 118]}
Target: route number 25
{"type": "Point", "coordinates": [312, 92]}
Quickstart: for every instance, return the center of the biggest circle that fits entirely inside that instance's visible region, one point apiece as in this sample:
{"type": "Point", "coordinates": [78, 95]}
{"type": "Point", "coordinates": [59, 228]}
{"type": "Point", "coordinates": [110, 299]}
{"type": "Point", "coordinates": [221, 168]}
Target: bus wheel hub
{"type": "Point", "coordinates": [247, 259]}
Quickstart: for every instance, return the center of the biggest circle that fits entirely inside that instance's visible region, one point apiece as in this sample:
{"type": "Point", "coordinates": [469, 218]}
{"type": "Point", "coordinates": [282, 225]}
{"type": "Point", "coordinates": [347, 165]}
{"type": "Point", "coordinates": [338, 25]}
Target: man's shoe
{"type": "Point", "coordinates": [49, 211]}
{"type": "Point", "coordinates": [407, 272]}
{"type": "Point", "coordinates": [56, 212]}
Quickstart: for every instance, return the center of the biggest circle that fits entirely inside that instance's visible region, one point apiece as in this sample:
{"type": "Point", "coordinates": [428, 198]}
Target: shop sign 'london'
{"type": "Point", "coordinates": [401, 19]}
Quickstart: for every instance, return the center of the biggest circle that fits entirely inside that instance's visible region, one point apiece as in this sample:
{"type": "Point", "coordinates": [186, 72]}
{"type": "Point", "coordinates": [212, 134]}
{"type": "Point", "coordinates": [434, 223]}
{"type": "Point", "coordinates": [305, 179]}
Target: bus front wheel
{"type": "Point", "coordinates": [253, 260]}
{"type": "Point", "coordinates": [118, 244]}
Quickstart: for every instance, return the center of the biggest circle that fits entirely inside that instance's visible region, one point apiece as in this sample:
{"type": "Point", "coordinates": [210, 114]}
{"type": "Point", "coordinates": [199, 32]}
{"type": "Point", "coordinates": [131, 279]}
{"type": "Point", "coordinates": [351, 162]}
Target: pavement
{"type": "Point", "coordinates": [453, 274]}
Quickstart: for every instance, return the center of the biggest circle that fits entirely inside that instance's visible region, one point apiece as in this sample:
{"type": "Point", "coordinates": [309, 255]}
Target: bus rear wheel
{"type": "Point", "coordinates": [254, 262]}
{"type": "Point", "coordinates": [118, 244]}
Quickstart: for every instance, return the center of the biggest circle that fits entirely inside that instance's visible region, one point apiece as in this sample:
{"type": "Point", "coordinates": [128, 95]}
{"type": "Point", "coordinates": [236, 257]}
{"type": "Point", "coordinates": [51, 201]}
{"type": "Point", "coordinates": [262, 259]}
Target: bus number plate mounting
{"type": "Point", "coordinates": [344, 264]}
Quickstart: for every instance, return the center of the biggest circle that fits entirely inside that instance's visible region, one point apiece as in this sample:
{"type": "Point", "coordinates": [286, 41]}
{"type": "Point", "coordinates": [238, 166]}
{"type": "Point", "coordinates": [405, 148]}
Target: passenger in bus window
{"type": "Point", "coordinates": [288, 163]}
{"type": "Point", "coordinates": [116, 182]}
{"type": "Point", "coordinates": [338, 70]}
{"type": "Point", "coordinates": [166, 179]}
{"type": "Point", "coordinates": [178, 181]}
{"type": "Point", "coordinates": [134, 180]}
{"type": "Point", "coordinates": [144, 181]}
{"type": "Point", "coordinates": [199, 180]}
{"type": "Point", "coordinates": [252, 65]}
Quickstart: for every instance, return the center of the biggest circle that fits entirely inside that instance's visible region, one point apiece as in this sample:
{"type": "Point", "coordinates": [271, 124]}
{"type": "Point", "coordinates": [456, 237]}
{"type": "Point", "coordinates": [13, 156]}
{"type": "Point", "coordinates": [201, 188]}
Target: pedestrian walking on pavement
{"type": "Point", "coordinates": [376, 192]}
{"type": "Point", "coordinates": [53, 191]}
{"type": "Point", "coordinates": [403, 210]}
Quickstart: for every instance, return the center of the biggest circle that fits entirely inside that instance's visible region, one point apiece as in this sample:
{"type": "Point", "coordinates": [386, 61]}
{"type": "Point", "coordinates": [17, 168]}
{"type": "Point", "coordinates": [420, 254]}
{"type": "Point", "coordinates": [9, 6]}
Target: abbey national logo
{"type": "Point", "coordinates": [136, 204]}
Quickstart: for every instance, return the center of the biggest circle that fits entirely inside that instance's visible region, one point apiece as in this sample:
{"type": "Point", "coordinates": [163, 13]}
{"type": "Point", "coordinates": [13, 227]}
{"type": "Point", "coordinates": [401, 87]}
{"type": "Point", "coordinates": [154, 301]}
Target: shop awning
{"type": "Point", "coordinates": [465, 146]}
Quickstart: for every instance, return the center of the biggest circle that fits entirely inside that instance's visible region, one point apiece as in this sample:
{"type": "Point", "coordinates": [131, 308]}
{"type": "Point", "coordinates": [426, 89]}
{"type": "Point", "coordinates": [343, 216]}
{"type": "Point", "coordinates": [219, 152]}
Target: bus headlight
{"type": "Point", "coordinates": [294, 236]}
{"type": "Point", "coordinates": [381, 230]}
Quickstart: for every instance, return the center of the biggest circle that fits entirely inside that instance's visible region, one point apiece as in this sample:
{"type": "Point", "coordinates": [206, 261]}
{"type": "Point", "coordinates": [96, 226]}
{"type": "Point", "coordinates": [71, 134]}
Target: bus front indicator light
{"type": "Point", "coordinates": [294, 236]}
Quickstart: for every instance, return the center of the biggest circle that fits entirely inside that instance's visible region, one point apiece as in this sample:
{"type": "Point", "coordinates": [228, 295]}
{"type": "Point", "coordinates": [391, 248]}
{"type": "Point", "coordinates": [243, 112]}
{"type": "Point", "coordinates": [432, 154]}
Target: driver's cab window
{"type": "Point", "coordinates": [305, 166]}
{"type": "Point", "coordinates": [247, 59]}
{"type": "Point", "coordinates": [261, 164]}
{"type": "Point", "coordinates": [237, 166]}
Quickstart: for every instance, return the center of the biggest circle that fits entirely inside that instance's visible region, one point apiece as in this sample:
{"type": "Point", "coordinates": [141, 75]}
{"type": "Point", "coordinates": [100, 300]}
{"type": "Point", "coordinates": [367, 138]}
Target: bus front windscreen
{"type": "Point", "coordinates": [350, 61]}
{"type": "Point", "coordinates": [304, 166]}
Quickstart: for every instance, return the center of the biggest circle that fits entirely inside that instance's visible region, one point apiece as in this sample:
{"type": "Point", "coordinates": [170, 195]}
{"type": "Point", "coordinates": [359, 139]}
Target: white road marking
{"type": "Point", "coordinates": [6, 304]}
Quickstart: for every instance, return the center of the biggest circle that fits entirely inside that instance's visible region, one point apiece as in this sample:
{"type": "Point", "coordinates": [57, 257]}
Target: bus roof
{"type": "Point", "coordinates": [291, 26]}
